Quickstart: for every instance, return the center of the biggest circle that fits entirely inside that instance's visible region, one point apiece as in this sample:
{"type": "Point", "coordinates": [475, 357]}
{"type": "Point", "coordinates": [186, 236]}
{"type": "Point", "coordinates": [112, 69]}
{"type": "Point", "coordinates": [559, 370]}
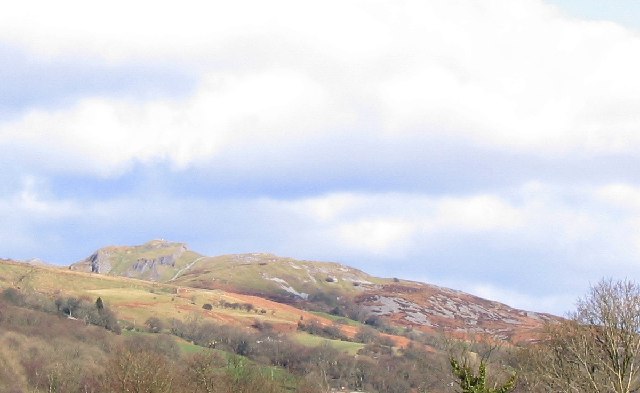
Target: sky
{"type": "Point", "coordinates": [491, 146]}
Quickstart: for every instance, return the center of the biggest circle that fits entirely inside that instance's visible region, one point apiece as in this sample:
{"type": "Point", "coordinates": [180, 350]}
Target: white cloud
{"type": "Point", "coordinates": [503, 74]}
{"type": "Point", "coordinates": [521, 76]}
{"type": "Point", "coordinates": [197, 29]}
{"type": "Point", "coordinates": [228, 112]}
{"type": "Point", "coordinates": [392, 224]}
{"type": "Point", "coordinates": [476, 213]}
{"type": "Point", "coordinates": [327, 208]}
{"type": "Point", "coordinates": [377, 237]}
{"type": "Point", "coordinates": [565, 223]}
{"type": "Point", "coordinates": [620, 194]}
{"type": "Point", "coordinates": [32, 200]}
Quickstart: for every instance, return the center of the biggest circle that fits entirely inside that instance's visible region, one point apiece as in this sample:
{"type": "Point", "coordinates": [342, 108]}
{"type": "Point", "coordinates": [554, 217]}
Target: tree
{"type": "Point", "coordinates": [203, 370]}
{"type": "Point", "coordinates": [598, 350]}
{"type": "Point", "coordinates": [470, 382]}
{"type": "Point", "coordinates": [99, 304]}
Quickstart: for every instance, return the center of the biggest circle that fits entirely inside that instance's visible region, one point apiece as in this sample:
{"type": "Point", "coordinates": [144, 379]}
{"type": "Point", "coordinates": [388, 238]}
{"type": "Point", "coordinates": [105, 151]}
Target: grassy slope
{"type": "Point", "coordinates": [255, 273]}
{"type": "Point", "coordinates": [335, 318]}
{"type": "Point", "coordinates": [310, 340]}
{"type": "Point", "coordinates": [271, 275]}
{"type": "Point", "coordinates": [136, 300]}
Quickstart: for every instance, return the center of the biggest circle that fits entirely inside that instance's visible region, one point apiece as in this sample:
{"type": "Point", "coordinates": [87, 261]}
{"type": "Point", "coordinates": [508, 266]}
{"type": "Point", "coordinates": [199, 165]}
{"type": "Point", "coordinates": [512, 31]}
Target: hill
{"type": "Point", "coordinates": [303, 326]}
{"type": "Point", "coordinates": [333, 288]}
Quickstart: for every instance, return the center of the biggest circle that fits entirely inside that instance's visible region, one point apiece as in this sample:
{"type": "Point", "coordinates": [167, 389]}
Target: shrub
{"type": "Point", "coordinates": [261, 325]}
{"type": "Point", "coordinates": [367, 335]}
{"type": "Point", "coordinates": [14, 296]}
{"type": "Point", "coordinates": [154, 325]}
{"type": "Point", "coordinates": [138, 371]}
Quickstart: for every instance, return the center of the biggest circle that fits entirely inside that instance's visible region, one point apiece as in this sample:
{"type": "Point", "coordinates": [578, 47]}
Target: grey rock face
{"type": "Point", "coordinates": [149, 266]}
{"type": "Point", "coordinates": [100, 262]}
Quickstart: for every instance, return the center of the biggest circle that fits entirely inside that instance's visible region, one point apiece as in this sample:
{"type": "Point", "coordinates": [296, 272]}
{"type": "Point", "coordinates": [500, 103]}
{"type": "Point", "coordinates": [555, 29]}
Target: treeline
{"type": "Point", "coordinates": [376, 368]}
{"type": "Point", "coordinates": [84, 309]}
{"type": "Point", "coordinates": [61, 344]}
{"type": "Point", "coordinates": [41, 352]}
{"type": "Point", "coordinates": [596, 349]}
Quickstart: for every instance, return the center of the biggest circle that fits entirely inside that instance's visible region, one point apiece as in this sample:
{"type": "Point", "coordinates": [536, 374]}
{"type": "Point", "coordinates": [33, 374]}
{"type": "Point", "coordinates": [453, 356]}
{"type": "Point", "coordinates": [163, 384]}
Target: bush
{"type": "Point", "coordinates": [367, 335]}
{"type": "Point", "coordinates": [207, 306]}
{"type": "Point", "coordinates": [261, 325]}
{"type": "Point", "coordinates": [138, 371]}
{"type": "Point", "coordinates": [14, 296]}
{"type": "Point", "coordinates": [316, 328]}
{"type": "Point", "coordinates": [154, 325]}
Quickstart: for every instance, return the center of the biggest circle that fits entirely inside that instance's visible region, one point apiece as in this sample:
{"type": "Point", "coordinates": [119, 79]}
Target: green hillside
{"type": "Point", "coordinates": [262, 274]}
{"type": "Point", "coordinates": [271, 275]}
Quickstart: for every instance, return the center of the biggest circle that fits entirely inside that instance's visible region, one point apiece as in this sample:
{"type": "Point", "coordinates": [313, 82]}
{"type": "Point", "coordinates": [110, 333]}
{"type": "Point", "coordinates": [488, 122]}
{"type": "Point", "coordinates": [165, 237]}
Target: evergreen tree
{"type": "Point", "coordinates": [469, 382]}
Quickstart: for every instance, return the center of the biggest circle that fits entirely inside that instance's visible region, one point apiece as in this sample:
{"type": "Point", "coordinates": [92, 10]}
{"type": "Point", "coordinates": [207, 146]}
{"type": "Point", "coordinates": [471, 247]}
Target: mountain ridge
{"type": "Point", "coordinates": [324, 286]}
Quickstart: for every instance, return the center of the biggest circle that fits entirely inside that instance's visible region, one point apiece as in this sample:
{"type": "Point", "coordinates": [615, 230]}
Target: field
{"type": "Point", "coordinates": [310, 340]}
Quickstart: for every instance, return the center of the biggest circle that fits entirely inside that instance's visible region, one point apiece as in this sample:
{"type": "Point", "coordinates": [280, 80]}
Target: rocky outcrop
{"type": "Point", "coordinates": [136, 261]}
{"type": "Point", "coordinates": [144, 267]}
{"type": "Point", "coordinates": [142, 263]}
{"type": "Point", "coordinates": [99, 262]}
{"type": "Point", "coordinates": [429, 307]}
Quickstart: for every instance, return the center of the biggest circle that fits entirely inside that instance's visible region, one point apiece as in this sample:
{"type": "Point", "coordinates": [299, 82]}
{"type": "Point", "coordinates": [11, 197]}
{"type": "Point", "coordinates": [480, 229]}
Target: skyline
{"type": "Point", "coordinates": [489, 147]}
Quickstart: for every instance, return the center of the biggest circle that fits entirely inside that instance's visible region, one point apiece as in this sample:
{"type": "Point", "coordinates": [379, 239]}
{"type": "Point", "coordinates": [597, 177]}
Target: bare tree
{"type": "Point", "coordinates": [138, 371]}
{"type": "Point", "coordinates": [563, 363]}
{"type": "Point", "coordinates": [598, 350]}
